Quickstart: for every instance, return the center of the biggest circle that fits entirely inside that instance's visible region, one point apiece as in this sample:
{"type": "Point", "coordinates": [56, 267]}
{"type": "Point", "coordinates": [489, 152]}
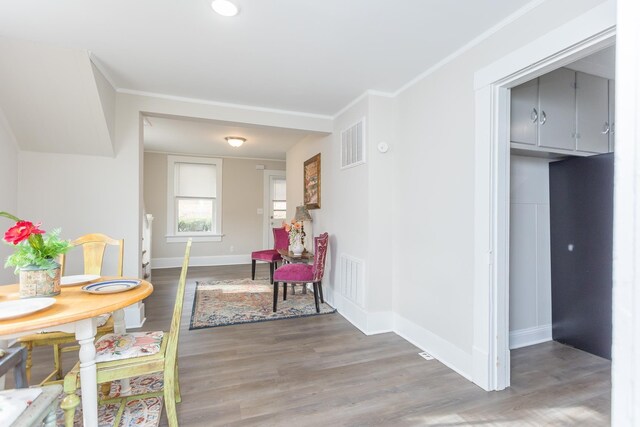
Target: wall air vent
{"type": "Point", "coordinates": [353, 144]}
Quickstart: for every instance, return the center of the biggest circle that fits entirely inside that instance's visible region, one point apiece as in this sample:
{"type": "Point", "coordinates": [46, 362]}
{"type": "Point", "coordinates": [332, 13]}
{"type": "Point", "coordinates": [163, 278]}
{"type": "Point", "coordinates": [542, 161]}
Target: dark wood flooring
{"type": "Point", "coordinates": [322, 371]}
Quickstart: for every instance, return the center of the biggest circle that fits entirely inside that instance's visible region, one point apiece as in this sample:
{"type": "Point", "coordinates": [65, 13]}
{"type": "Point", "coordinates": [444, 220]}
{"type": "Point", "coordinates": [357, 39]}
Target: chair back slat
{"type": "Point", "coordinates": [174, 331]}
{"type": "Point", "coordinates": [280, 238]}
{"type": "Point", "coordinates": [320, 256]}
{"type": "Point", "coordinates": [93, 249]}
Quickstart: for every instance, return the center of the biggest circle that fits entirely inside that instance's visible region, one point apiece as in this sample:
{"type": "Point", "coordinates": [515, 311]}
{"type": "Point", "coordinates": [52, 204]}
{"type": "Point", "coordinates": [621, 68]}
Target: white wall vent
{"type": "Point", "coordinates": [353, 145]}
{"type": "Point", "coordinates": [351, 273]}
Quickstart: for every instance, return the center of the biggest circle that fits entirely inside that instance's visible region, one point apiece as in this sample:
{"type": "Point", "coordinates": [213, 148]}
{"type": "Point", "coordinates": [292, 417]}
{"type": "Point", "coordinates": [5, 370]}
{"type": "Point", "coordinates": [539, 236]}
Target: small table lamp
{"type": "Point", "coordinates": [302, 215]}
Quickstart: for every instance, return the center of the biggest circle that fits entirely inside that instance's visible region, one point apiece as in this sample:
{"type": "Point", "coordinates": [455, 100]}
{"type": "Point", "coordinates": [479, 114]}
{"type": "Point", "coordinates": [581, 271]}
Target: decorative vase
{"type": "Point", "coordinates": [39, 282]}
{"type": "Point", "coordinates": [296, 247]}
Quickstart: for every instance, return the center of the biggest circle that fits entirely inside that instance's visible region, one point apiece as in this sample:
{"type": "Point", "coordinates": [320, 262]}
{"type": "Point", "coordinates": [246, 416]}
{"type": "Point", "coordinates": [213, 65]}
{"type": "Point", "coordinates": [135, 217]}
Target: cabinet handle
{"type": "Point", "coordinates": [534, 115]}
{"type": "Point", "coordinates": [605, 128]}
{"type": "Point", "coordinates": [543, 120]}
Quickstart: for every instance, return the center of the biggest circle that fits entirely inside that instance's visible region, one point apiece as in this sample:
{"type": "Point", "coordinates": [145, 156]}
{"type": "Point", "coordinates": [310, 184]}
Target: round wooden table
{"type": "Point", "coordinates": [75, 311]}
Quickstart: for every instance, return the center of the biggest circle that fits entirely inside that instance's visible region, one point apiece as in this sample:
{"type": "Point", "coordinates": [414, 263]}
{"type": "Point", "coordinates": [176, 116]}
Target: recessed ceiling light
{"type": "Point", "coordinates": [235, 141]}
{"type": "Point", "coordinates": [224, 7]}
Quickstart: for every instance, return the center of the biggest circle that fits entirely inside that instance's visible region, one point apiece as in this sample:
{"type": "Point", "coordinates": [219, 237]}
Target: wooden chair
{"type": "Point", "coordinates": [133, 354]}
{"type": "Point", "coordinates": [30, 407]}
{"type": "Point", "coordinates": [303, 273]}
{"type": "Point", "coordinates": [93, 249]}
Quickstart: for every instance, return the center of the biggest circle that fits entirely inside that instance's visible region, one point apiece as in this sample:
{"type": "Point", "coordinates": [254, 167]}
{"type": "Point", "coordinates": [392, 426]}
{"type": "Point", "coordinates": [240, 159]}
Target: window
{"type": "Point", "coordinates": [279, 201]}
{"type": "Point", "coordinates": [194, 203]}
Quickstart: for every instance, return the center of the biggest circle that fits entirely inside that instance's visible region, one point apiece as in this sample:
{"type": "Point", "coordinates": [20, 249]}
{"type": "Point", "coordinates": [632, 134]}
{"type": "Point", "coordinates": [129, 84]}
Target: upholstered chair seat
{"type": "Point", "coordinates": [294, 273]}
{"type": "Point", "coordinates": [267, 255]}
{"type": "Point", "coordinates": [280, 241]}
{"type": "Point", "coordinates": [126, 346]}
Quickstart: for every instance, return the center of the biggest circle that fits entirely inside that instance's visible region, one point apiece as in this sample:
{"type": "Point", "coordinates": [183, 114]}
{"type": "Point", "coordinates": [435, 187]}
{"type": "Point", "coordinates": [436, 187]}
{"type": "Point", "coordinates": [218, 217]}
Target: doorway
{"type": "Point", "coordinates": [578, 39]}
{"type": "Point", "coordinates": [275, 204]}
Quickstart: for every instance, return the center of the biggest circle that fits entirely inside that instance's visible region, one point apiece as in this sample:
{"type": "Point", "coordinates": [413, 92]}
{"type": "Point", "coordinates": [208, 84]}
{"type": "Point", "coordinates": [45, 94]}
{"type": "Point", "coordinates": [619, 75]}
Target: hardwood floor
{"type": "Point", "coordinates": [319, 371]}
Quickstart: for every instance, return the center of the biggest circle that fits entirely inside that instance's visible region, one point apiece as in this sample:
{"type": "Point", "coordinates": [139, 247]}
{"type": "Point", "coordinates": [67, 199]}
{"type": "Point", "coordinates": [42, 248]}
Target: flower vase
{"type": "Point", "coordinates": [296, 247]}
{"type": "Point", "coordinates": [39, 282]}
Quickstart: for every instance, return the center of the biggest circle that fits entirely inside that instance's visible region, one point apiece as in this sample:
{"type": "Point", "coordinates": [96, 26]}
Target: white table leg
{"type": "Point", "coordinates": [119, 327]}
{"type": "Point", "coordinates": [85, 334]}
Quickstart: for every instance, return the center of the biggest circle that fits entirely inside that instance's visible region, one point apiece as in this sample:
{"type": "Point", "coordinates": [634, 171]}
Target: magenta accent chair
{"type": "Point", "coordinates": [280, 241]}
{"type": "Point", "coordinates": [303, 273]}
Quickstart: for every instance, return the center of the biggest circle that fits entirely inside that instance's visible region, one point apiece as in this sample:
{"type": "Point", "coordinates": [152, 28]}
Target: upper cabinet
{"type": "Point", "coordinates": [563, 111]}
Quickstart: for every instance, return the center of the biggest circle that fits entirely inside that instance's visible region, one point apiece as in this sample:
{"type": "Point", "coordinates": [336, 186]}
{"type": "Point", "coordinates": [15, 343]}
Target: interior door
{"type": "Point", "coordinates": [277, 205]}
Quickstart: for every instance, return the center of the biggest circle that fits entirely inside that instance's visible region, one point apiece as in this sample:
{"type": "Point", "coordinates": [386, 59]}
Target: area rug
{"type": "Point", "coordinates": [230, 302]}
{"type": "Point", "coordinates": [137, 413]}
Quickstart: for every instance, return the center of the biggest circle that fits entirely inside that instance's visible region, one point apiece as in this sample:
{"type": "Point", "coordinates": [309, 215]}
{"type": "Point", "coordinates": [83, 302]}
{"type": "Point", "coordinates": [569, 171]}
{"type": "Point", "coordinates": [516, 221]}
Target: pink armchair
{"type": "Point", "coordinates": [281, 241]}
{"type": "Point", "coordinates": [303, 273]}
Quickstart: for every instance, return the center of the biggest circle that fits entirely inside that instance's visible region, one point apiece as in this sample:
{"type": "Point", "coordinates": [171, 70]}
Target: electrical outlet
{"type": "Point", "coordinates": [426, 356]}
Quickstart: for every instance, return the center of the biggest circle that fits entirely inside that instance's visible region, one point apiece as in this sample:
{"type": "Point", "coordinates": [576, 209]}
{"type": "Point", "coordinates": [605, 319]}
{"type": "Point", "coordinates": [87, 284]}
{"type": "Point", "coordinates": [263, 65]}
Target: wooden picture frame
{"type": "Point", "coordinates": [312, 182]}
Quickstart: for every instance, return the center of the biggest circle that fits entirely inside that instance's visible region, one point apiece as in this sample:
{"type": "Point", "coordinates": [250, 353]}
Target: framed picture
{"type": "Point", "coordinates": [312, 182]}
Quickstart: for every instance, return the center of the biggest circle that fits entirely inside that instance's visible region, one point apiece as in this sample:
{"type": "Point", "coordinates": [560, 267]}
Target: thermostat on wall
{"type": "Point", "coordinates": [383, 147]}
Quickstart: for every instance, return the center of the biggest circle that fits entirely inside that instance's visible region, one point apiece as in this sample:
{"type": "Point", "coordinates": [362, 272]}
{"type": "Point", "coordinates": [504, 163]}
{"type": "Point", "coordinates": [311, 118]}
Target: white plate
{"type": "Point", "coordinates": [80, 279]}
{"type": "Point", "coordinates": [22, 307]}
{"type": "Point", "coordinates": [111, 286]}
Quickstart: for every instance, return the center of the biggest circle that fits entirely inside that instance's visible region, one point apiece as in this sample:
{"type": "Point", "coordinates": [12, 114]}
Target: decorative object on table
{"type": "Point", "coordinates": [312, 181]}
{"type": "Point", "coordinates": [296, 236]}
{"type": "Point", "coordinates": [231, 302]}
{"type": "Point", "coordinates": [111, 286]}
{"type": "Point", "coordinates": [280, 241]}
{"type": "Point", "coordinates": [302, 215]}
{"type": "Point", "coordinates": [93, 249]}
{"type": "Point", "coordinates": [304, 273]}
{"type": "Point", "coordinates": [35, 257]}
{"type": "Point", "coordinates": [125, 355]}
{"type": "Point", "coordinates": [138, 412]}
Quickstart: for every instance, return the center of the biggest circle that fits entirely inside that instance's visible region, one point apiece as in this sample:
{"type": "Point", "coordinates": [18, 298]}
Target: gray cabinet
{"type": "Point", "coordinates": [592, 113]}
{"type": "Point", "coordinates": [565, 112]}
{"type": "Point", "coordinates": [612, 115]}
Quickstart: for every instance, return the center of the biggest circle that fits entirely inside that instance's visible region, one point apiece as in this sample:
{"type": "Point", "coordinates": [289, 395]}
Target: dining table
{"type": "Point", "coordinates": [75, 311]}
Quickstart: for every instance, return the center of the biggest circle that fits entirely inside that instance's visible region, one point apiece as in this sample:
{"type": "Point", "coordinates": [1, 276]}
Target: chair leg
{"type": "Point", "coordinates": [176, 387]}
{"type": "Point", "coordinates": [320, 288]}
{"type": "Point", "coordinates": [20, 373]}
{"type": "Point", "coordinates": [315, 296]}
{"type": "Point", "coordinates": [57, 361]}
{"type": "Point", "coordinates": [170, 399]}
{"type": "Point", "coordinates": [69, 404]}
{"type": "Point", "coordinates": [253, 269]}
{"type": "Point", "coordinates": [284, 292]}
{"type": "Point", "coordinates": [29, 363]}
{"type": "Point", "coordinates": [275, 296]}
{"type": "Point", "coordinates": [271, 268]}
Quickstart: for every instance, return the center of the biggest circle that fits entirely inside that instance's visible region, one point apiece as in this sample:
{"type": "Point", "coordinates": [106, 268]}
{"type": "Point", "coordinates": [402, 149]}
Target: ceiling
{"type": "Point", "coordinates": [206, 137]}
{"type": "Point", "coordinates": [296, 55]}
{"type": "Point", "coordinates": [602, 63]}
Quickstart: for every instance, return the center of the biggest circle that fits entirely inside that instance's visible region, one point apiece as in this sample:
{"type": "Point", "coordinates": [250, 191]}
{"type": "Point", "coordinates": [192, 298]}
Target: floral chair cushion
{"type": "Point", "coordinates": [125, 346]}
{"type": "Point", "coordinates": [14, 402]}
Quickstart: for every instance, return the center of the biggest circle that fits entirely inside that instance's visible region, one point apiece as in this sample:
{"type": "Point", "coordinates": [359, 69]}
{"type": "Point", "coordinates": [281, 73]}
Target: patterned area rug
{"type": "Point", "coordinates": [229, 302]}
{"type": "Point", "coordinates": [137, 413]}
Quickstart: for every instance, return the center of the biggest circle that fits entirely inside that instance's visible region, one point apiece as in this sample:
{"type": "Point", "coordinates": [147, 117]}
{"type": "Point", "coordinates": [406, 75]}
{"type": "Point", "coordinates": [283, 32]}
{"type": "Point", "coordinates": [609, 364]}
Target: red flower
{"type": "Point", "coordinates": [21, 231]}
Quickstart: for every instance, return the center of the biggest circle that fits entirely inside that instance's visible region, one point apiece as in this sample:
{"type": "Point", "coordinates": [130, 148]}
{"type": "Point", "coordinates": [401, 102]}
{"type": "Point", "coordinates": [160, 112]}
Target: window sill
{"type": "Point", "coordinates": [183, 239]}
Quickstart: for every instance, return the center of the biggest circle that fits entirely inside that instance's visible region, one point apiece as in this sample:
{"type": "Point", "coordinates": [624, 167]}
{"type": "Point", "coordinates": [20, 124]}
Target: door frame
{"type": "Point", "coordinates": [586, 34]}
{"type": "Point", "coordinates": [266, 192]}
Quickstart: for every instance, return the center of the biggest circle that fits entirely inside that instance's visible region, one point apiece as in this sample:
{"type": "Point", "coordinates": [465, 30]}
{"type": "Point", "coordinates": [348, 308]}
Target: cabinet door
{"type": "Point", "coordinates": [524, 113]}
{"type": "Point", "coordinates": [557, 109]}
{"type": "Point", "coordinates": [592, 112]}
{"type": "Point", "coordinates": [612, 115]}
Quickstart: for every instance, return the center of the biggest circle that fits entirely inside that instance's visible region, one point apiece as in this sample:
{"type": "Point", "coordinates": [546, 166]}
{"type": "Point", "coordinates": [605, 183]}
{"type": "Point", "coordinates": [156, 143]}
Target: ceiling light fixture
{"type": "Point", "coordinates": [224, 7]}
{"type": "Point", "coordinates": [235, 141]}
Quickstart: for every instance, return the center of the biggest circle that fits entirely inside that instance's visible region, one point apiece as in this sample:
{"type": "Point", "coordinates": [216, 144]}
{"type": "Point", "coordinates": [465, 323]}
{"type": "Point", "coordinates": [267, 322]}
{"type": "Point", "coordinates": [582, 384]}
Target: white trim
{"type": "Point", "coordinates": [202, 261]}
{"type": "Point", "coordinates": [477, 40]}
{"type": "Point", "coordinates": [591, 31]}
{"type": "Point", "coordinates": [368, 92]}
{"type": "Point", "coordinates": [221, 104]}
{"type": "Point", "coordinates": [529, 336]}
{"type": "Point", "coordinates": [368, 323]}
{"type": "Point", "coordinates": [174, 153]}
{"type": "Point", "coordinates": [443, 350]}
{"type": "Point", "coordinates": [266, 198]}
{"type": "Point", "coordinates": [172, 235]}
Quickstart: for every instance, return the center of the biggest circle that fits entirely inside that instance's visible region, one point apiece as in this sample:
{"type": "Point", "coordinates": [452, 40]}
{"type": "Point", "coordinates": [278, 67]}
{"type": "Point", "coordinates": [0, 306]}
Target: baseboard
{"type": "Point", "coordinates": [529, 336]}
{"type": "Point", "coordinates": [368, 323]}
{"type": "Point", "coordinates": [443, 350]}
{"type": "Point", "coordinates": [202, 261]}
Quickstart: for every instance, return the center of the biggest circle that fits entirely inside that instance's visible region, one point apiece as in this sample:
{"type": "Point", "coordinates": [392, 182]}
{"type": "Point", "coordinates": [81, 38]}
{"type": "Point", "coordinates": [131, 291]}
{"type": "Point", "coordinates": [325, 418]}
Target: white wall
{"type": "Point", "coordinates": [8, 193]}
{"type": "Point", "coordinates": [530, 252]}
{"type": "Point", "coordinates": [242, 195]}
